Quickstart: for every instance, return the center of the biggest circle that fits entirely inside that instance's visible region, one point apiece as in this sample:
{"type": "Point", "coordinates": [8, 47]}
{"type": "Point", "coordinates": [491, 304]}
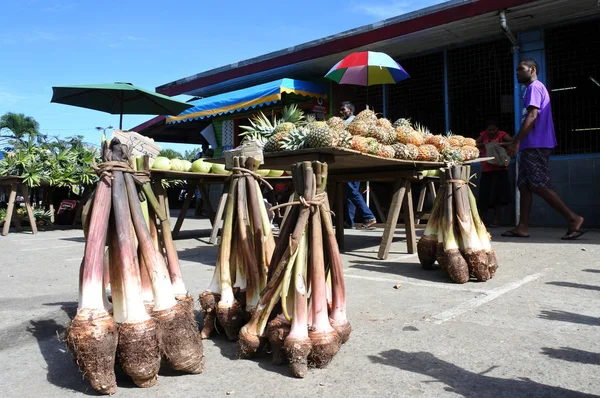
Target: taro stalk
{"type": "Point", "coordinates": [253, 333]}
{"type": "Point", "coordinates": [247, 241]}
{"type": "Point", "coordinates": [473, 251]}
{"type": "Point", "coordinates": [229, 312]}
{"type": "Point", "coordinates": [180, 341]}
{"type": "Point", "coordinates": [427, 245]}
{"type": "Point", "coordinates": [92, 335]}
{"type": "Point", "coordinates": [484, 236]}
{"type": "Point", "coordinates": [326, 341]}
{"type": "Point", "coordinates": [337, 317]}
{"type": "Point", "coordinates": [455, 264]}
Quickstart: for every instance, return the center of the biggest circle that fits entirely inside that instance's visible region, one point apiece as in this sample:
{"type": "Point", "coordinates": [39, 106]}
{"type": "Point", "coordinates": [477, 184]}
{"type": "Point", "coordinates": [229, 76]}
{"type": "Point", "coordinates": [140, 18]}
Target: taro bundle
{"type": "Point", "coordinates": [244, 255]}
{"type": "Point", "coordinates": [293, 312]}
{"type": "Point", "coordinates": [146, 322]}
{"type": "Point", "coordinates": [455, 235]}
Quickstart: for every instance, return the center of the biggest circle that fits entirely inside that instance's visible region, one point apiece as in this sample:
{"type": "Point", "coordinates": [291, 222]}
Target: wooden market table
{"type": "Point", "coordinates": [345, 165]}
{"type": "Point", "coordinates": [199, 180]}
{"type": "Point", "coordinates": [14, 183]}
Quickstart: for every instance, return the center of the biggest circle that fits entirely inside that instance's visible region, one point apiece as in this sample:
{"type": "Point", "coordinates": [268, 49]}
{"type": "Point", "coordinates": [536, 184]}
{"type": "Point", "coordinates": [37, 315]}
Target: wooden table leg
{"type": "Point", "coordinates": [339, 214]}
{"type": "Point", "coordinates": [219, 214]}
{"type": "Point", "coordinates": [29, 209]}
{"type": "Point", "coordinates": [206, 202]}
{"type": "Point", "coordinates": [409, 221]}
{"type": "Point", "coordinates": [421, 202]}
{"type": "Point", "coordinates": [182, 214]}
{"type": "Point", "coordinates": [12, 196]}
{"type": "Point", "coordinates": [393, 214]}
{"type": "Point", "coordinates": [431, 186]}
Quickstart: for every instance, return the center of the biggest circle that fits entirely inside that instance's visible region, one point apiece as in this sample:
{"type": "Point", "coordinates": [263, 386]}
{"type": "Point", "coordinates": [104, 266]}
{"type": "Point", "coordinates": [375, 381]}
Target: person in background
{"type": "Point", "coordinates": [534, 142]}
{"type": "Point", "coordinates": [354, 199]}
{"type": "Point", "coordinates": [494, 189]}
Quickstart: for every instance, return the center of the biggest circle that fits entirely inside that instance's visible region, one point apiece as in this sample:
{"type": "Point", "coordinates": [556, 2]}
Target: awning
{"type": "Point", "coordinates": [252, 97]}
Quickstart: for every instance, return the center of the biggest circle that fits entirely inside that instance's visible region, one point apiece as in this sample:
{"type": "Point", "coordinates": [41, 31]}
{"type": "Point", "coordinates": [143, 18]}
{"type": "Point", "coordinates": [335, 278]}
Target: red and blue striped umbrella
{"type": "Point", "coordinates": [366, 69]}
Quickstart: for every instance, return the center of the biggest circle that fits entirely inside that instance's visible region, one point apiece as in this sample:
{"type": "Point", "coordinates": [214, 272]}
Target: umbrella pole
{"type": "Point", "coordinates": [121, 116]}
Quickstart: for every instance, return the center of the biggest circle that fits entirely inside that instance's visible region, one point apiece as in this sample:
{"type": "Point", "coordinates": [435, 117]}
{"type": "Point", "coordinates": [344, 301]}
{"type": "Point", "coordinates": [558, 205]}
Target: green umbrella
{"type": "Point", "coordinates": [118, 99]}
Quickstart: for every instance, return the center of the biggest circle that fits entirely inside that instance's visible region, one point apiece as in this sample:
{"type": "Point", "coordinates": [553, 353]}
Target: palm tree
{"type": "Point", "coordinates": [17, 126]}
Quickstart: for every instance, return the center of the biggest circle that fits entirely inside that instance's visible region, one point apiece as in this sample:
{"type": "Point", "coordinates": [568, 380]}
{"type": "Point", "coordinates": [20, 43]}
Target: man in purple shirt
{"type": "Point", "coordinates": [534, 142]}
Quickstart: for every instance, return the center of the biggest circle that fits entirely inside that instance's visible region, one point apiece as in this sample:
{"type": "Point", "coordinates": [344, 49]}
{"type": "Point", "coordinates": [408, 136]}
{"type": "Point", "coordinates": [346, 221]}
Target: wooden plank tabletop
{"type": "Point", "coordinates": [342, 161]}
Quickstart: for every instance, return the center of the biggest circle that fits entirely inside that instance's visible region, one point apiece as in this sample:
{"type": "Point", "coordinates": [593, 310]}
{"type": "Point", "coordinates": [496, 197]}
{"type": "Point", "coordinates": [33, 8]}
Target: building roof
{"type": "Point", "coordinates": [435, 27]}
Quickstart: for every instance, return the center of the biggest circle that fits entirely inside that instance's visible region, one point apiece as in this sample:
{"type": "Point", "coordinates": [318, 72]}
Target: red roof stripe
{"type": "Point", "coordinates": [348, 43]}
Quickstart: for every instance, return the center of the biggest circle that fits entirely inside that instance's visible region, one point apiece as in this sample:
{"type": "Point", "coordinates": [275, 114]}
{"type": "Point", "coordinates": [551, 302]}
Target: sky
{"type": "Point", "coordinates": [45, 43]}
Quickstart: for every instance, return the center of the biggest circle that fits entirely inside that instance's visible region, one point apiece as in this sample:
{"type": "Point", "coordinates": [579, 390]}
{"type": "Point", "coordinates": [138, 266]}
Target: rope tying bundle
{"type": "Point", "coordinates": [105, 169]}
{"type": "Point", "coordinates": [461, 183]}
{"type": "Point", "coordinates": [318, 200]}
{"type": "Point", "coordinates": [240, 172]}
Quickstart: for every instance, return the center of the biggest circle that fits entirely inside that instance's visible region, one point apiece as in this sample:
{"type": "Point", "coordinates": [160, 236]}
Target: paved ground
{"type": "Point", "coordinates": [534, 330]}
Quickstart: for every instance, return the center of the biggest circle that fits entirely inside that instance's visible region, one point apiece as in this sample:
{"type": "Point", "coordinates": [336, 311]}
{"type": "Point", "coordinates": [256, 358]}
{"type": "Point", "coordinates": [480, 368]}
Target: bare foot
{"type": "Point", "coordinates": [576, 223]}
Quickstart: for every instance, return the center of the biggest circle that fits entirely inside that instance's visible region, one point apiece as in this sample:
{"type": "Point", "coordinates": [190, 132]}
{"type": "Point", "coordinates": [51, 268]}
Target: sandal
{"type": "Point", "coordinates": [513, 234]}
{"type": "Point", "coordinates": [369, 225]}
{"type": "Point", "coordinates": [572, 235]}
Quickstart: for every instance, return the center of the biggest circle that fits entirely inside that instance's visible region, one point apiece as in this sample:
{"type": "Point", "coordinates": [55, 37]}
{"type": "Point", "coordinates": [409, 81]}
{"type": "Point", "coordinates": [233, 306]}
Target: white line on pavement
{"type": "Point", "coordinates": [409, 282]}
{"type": "Point", "coordinates": [479, 301]}
{"type": "Point", "coordinates": [50, 248]}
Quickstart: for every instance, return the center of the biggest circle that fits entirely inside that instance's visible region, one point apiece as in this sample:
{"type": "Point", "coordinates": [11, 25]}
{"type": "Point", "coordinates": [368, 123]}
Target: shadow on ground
{"type": "Point", "coordinates": [570, 317]}
{"type": "Point", "coordinates": [593, 271]}
{"type": "Point", "coordinates": [465, 383]}
{"type": "Point", "coordinates": [575, 285]}
{"type": "Point", "coordinates": [62, 371]}
{"type": "Point", "coordinates": [409, 270]}
{"type": "Point", "coordinates": [572, 355]}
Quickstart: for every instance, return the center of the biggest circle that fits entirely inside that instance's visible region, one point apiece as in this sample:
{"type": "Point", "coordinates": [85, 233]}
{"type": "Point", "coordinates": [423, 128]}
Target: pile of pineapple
{"type": "Point", "coordinates": [366, 134]}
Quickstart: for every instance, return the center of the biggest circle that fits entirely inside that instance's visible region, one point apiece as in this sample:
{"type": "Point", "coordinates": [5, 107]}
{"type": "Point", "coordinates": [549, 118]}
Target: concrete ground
{"type": "Point", "coordinates": [533, 330]}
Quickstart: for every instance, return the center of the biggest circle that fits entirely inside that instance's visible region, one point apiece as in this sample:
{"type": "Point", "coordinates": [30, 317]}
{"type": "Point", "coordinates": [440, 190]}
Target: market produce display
{"type": "Point", "coordinates": [455, 236]}
{"type": "Point", "coordinates": [203, 166]}
{"type": "Point", "coordinates": [366, 133]}
{"type": "Point", "coordinates": [151, 315]}
{"type": "Point", "coordinates": [292, 314]}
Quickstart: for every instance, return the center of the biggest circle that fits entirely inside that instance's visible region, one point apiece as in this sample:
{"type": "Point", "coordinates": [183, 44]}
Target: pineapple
{"type": "Point", "coordinates": [413, 151]}
{"type": "Point", "coordinates": [402, 123]}
{"type": "Point", "coordinates": [438, 141]}
{"type": "Point", "coordinates": [428, 153]}
{"type": "Point", "coordinates": [260, 128]}
{"type": "Point", "coordinates": [406, 135]}
{"type": "Point", "coordinates": [284, 127]}
{"type": "Point", "coordinates": [367, 116]}
{"type": "Point", "coordinates": [373, 146]}
{"type": "Point", "coordinates": [469, 152]}
{"type": "Point", "coordinates": [336, 123]}
{"type": "Point", "coordinates": [423, 132]}
{"type": "Point", "coordinates": [449, 155]}
{"type": "Point", "coordinates": [345, 140]}
{"type": "Point", "coordinates": [359, 143]}
{"type": "Point", "coordinates": [275, 142]}
{"type": "Point", "coordinates": [296, 139]}
{"type": "Point", "coordinates": [358, 127]}
{"type": "Point", "coordinates": [291, 114]}
{"type": "Point", "coordinates": [378, 133]}
{"type": "Point", "coordinates": [470, 142]}
{"type": "Point", "coordinates": [386, 151]}
{"type": "Point", "coordinates": [400, 151]}
{"type": "Point", "coordinates": [321, 136]}
{"type": "Point", "coordinates": [385, 123]}
{"type": "Point", "coordinates": [455, 140]}
{"type": "Point", "coordinates": [392, 136]}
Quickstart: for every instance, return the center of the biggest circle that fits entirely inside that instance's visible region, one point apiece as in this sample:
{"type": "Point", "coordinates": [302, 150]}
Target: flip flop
{"type": "Point", "coordinates": [367, 226]}
{"type": "Point", "coordinates": [513, 234]}
{"type": "Point", "coordinates": [572, 235]}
